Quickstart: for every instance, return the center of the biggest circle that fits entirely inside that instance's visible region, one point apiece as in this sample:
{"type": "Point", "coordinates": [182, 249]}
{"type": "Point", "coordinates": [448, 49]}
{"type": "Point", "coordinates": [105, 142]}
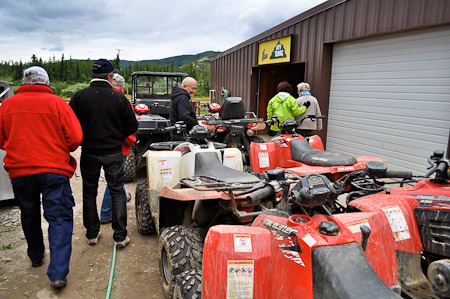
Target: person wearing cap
{"type": "Point", "coordinates": [38, 130]}
{"type": "Point", "coordinates": [181, 108]}
{"type": "Point", "coordinates": [309, 127]}
{"type": "Point", "coordinates": [118, 84]}
{"type": "Point", "coordinates": [107, 119]}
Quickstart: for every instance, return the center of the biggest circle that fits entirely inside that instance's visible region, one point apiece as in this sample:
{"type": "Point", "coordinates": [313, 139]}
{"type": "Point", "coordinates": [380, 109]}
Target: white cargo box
{"type": "Point", "coordinates": [6, 191]}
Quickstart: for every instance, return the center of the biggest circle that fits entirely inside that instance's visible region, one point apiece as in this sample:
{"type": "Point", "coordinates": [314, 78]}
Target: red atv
{"type": "Point", "coordinates": [301, 155]}
{"type": "Point", "coordinates": [190, 187]}
{"type": "Point", "coordinates": [231, 125]}
{"type": "Point", "coordinates": [380, 244]}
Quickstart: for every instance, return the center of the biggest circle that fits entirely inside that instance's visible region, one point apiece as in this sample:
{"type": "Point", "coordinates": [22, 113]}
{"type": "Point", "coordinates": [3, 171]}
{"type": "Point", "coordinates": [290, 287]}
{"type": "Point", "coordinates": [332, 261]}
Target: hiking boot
{"type": "Point", "coordinates": [123, 243]}
{"type": "Point", "coordinates": [106, 220]}
{"type": "Point", "coordinates": [94, 241]}
{"type": "Point", "coordinates": [128, 197]}
{"type": "Point", "coordinates": [57, 284]}
{"type": "Point", "coordinates": [38, 264]}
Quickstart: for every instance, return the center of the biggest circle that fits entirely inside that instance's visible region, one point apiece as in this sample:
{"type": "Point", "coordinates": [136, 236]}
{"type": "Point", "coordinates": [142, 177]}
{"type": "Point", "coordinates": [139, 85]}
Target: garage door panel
{"type": "Point", "coordinates": [354, 106]}
{"type": "Point", "coordinates": [389, 124]}
{"type": "Point", "coordinates": [411, 74]}
{"type": "Point", "coordinates": [409, 139]}
{"type": "Point", "coordinates": [418, 161]}
{"type": "Point", "coordinates": [434, 102]}
{"type": "Point", "coordinates": [379, 47]}
{"type": "Point", "coordinates": [394, 66]}
{"type": "Point", "coordinates": [417, 164]}
{"type": "Point", "coordinates": [412, 87]}
{"type": "Point", "coordinates": [436, 53]}
{"type": "Point", "coordinates": [390, 95]}
{"type": "Point", "coordinates": [400, 82]}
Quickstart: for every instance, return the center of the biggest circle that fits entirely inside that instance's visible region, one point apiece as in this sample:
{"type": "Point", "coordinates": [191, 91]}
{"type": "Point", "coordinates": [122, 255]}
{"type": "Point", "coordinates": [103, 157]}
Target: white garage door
{"type": "Point", "coordinates": [390, 97]}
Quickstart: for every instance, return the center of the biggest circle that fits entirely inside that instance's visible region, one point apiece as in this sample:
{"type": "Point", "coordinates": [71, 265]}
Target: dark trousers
{"type": "Point", "coordinates": [306, 133]}
{"type": "Point", "coordinates": [57, 201]}
{"type": "Point", "coordinates": [177, 137]}
{"type": "Point", "coordinates": [90, 166]}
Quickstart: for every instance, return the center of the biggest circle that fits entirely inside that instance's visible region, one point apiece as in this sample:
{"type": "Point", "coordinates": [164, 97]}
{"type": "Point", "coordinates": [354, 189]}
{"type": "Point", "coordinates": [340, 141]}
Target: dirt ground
{"type": "Point", "coordinates": [136, 272]}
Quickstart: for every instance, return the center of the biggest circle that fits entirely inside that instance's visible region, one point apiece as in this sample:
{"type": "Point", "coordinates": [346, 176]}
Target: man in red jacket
{"type": "Point", "coordinates": [38, 130]}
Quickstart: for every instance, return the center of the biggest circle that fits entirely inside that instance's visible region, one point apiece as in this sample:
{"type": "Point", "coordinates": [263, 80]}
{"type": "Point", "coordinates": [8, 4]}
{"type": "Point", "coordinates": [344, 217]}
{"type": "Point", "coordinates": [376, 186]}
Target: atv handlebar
{"type": "Point", "coordinates": [266, 193]}
{"type": "Point", "coordinates": [398, 174]}
{"type": "Point", "coordinates": [179, 127]}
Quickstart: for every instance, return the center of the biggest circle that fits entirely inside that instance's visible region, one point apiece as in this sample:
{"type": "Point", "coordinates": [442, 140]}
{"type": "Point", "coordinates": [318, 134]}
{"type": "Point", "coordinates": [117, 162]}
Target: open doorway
{"type": "Point", "coordinates": [270, 76]}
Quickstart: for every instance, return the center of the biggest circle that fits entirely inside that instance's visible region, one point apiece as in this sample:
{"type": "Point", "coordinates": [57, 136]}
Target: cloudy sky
{"type": "Point", "coordinates": [142, 29]}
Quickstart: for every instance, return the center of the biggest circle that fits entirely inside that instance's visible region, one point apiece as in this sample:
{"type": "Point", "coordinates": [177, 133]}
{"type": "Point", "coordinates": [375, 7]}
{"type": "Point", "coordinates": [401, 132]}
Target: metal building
{"type": "Point", "coordinates": [379, 68]}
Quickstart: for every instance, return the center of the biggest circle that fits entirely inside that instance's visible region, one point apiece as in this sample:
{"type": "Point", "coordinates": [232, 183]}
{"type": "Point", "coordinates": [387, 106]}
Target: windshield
{"type": "Point", "coordinates": [156, 85]}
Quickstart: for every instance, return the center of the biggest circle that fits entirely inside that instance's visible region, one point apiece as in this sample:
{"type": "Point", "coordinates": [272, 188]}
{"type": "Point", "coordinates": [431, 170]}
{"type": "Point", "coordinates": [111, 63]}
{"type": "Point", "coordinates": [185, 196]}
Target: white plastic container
{"type": "Point", "coordinates": [163, 169]}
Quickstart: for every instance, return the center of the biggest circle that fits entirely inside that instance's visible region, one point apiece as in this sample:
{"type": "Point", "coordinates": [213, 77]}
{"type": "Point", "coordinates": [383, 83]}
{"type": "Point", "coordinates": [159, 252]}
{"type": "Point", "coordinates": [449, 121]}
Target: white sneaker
{"type": "Point", "coordinates": [94, 241]}
{"type": "Point", "coordinates": [123, 243]}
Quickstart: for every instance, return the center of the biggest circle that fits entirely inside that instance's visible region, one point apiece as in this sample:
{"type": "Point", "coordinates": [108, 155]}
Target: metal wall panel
{"type": "Point", "coordinates": [390, 97]}
{"type": "Point", "coordinates": [314, 30]}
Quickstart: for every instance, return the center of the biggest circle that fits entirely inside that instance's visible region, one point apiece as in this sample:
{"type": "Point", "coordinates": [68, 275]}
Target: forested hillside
{"type": "Point", "coordinates": [69, 75]}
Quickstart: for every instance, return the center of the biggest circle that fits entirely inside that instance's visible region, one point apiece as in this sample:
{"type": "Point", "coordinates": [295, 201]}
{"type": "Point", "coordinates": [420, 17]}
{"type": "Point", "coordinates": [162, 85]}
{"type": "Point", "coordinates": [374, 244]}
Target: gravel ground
{"type": "Point", "coordinates": [136, 273]}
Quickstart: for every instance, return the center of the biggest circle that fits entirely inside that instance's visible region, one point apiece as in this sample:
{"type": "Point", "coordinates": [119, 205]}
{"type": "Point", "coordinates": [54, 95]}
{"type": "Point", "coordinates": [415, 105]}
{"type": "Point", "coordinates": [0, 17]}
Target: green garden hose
{"type": "Point", "coordinates": [111, 275]}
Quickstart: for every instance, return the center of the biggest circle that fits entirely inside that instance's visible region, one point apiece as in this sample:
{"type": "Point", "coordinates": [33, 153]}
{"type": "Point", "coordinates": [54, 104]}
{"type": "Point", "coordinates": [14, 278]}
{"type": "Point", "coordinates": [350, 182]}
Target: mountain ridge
{"type": "Point", "coordinates": [180, 60]}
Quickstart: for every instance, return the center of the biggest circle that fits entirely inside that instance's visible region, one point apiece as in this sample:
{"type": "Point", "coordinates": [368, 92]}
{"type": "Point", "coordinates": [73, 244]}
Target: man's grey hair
{"type": "Point", "coordinates": [101, 75]}
{"type": "Point", "coordinates": [35, 75]}
{"type": "Point", "coordinates": [303, 86]}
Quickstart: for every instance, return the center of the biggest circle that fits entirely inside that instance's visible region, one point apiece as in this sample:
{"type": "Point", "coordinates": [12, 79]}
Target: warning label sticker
{"type": "Point", "coordinates": [166, 175]}
{"type": "Point", "coordinates": [309, 240]}
{"type": "Point", "coordinates": [242, 243]}
{"type": "Point", "coordinates": [398, 222]}
{"type": "Point", "coordinates": [355, 227]}
{"type": "Point", "coordinates": [263, 160]}
{"type": "Point", "coordinates": [240, 279]}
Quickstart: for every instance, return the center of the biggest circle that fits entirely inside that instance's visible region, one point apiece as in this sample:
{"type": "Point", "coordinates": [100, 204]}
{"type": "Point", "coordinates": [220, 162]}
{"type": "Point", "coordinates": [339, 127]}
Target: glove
{"type": "Point", "coordinates": [307, 104]}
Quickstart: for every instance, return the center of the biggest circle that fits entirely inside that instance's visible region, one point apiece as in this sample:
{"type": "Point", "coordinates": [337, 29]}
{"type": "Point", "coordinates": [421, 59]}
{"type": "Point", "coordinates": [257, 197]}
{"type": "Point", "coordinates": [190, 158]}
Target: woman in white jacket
{"type": "Point", "coordinates": [309, 127]}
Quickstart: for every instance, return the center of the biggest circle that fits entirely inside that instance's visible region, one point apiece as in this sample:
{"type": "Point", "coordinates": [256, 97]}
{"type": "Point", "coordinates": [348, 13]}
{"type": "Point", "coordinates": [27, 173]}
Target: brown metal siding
{"type": "Point", "coordinates": [316, 30]}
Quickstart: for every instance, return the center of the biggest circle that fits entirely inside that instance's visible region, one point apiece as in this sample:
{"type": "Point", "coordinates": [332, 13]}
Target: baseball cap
{"type": "Point", "coordinates": [119, 79]}
{"type": "Point", "coordinates": [102, 66]}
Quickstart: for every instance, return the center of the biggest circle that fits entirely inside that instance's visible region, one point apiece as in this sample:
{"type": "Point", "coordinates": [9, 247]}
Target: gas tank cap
{"type": "Point", "coordinates": [328, 228]}
{"type": "Point", "coordinates": [300, 219]}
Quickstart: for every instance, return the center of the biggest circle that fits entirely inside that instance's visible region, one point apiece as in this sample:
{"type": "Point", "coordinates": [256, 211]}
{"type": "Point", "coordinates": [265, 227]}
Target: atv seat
{"type": "Point", "coordinates": [208, 163]}
{"type": "Point", "coordinates": [301, 151]}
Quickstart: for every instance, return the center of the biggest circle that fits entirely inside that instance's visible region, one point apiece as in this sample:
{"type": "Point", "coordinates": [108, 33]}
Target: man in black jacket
{"type": "Point", "coordinates": [181, 108]}
{"type": "Point", "coordinates": [106, 119]}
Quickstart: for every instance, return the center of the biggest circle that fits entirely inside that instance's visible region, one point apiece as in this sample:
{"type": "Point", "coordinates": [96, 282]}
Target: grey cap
{"type": "Point", "coordinates": [120, 81]}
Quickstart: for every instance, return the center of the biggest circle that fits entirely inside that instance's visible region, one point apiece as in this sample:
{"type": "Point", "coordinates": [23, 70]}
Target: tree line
{"type": "Point", "coordinates": [69, 75]}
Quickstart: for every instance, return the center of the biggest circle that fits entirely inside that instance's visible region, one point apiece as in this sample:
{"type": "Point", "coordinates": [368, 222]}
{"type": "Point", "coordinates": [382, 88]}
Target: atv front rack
{"type": "Point", "coordinates": [210, 183]}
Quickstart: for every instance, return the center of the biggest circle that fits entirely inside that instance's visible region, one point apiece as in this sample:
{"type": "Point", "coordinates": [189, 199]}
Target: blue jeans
{"type": "Point", "coordinates": [90, 166]}
{"type": "Point", "coordinates": [106, 211]}
{"type": "Point", "coordinates": [57, 201]}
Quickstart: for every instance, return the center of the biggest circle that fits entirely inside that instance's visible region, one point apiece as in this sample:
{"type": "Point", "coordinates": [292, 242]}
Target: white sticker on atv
{"type": "Point", "coordinates": [355, 227]}
{"type": "Point", "coordinates": [240, 279]}
{"type": "Point", "coordinates": [242, 243]}
{"type": "Point", "coordinates": [166, 175]}
{"type": "Point", "coordinates": [309, 240]}
{"type": "Point", "coordinates": [264, 160]}
{"type": "Point", "coordinates": [398, 222]}
{"type": "Point", "coordinates": [263, 146]}
{"type": "Point", "coordinates": [162, 164]}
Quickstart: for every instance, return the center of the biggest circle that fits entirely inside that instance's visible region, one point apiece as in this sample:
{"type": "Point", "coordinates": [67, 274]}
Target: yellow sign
{"type": "Point", "coordinates": [275, 51]}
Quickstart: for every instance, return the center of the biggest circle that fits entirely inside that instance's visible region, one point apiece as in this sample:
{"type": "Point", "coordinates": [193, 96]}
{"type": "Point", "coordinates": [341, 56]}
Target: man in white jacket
{"type": "Point", "coordinates": [309, 127]}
